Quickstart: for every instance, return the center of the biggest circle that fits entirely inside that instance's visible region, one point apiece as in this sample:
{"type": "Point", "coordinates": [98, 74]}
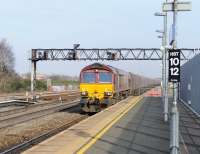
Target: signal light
{"type": "Point", "coordinates": [72, 55]}
{"type": "Point", "coordinates": [45, 56]}
{"type": "Point", "coordinates": [111, 56]}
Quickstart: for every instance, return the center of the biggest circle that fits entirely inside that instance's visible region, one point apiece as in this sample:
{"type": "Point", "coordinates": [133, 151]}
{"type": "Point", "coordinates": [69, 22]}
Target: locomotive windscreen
{"type": "Point", "coordinates": [105, 77]}
{"type": "Point", "coordinates": [89, 77]}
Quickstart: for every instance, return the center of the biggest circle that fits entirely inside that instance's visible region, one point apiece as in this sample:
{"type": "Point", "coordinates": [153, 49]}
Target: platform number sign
{"type": "Point", "coordinates": [174, 65]}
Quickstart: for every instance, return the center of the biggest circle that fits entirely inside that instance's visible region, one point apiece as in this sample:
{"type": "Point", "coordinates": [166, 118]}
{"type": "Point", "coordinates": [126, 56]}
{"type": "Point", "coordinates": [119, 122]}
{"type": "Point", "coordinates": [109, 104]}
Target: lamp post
{"type": "Point", "coordinates": [161, 36]}
{"type": "Point", "coordinates": [164, 64]}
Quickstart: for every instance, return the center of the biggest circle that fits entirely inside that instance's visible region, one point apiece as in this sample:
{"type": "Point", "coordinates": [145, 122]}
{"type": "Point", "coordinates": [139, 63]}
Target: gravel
{"type": "Point", "coordinates": [25, 131]}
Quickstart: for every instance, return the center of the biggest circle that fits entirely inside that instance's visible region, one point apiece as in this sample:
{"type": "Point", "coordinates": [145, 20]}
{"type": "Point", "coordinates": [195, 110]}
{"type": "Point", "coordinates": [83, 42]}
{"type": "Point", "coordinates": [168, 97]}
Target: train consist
{"type": "Point", "coordinates": [101, 85]}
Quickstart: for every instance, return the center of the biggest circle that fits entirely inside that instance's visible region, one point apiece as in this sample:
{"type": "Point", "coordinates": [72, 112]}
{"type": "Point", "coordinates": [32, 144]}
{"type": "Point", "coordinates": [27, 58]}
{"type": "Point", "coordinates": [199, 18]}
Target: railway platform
{"type": "Point", "coordinates": [134, 125]}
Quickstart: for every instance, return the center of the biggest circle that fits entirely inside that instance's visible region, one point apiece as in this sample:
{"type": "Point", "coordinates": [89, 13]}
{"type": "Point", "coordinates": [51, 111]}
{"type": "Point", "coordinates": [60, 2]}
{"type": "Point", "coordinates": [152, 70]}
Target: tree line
{"type": "Point", "coordinates": [10, 81]}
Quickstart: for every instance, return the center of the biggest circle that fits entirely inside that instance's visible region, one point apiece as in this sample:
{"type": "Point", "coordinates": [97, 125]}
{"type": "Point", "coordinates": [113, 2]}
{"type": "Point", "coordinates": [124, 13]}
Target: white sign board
{"type": "Point", "coordinates": [179, 6]}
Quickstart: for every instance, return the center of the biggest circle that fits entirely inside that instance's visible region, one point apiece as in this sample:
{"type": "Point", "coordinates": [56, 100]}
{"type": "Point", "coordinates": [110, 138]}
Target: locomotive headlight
{"type": "Point", "coordinates": [108, 93]}
{"type": "Point", "coordinates": [84, 93]}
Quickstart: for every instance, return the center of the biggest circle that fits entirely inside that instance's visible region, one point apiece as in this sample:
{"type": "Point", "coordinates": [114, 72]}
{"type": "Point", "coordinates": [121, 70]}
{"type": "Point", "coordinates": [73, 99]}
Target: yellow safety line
{"type": "Point", "coordinates": [106, 128]}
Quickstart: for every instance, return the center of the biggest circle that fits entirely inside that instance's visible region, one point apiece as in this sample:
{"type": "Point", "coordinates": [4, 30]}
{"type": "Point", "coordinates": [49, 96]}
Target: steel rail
{"type": "Point", "coordinates": [21, 97]}
{"type": "Point", "coordinates": [29, 106]}
{"type": "Point", "coordinates": [24, 108]}
{"type": "Point", "coordinates": [13, 120]}
{"type": "Point", "coordinates": [13, 102]}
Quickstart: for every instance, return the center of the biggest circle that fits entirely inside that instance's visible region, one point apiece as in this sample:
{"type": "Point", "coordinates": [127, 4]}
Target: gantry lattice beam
{"type": "Point", "coordinates": [107, 54]}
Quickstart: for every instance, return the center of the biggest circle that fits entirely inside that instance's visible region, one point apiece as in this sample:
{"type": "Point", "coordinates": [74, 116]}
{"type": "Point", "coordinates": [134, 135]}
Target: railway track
{"type": "Point", "coordinates": [13, 102]}
{"type": "Point", "coordinates": [26, 105]}
{"type": "Point", "coordinates": [24, 109]}
{"type": "Point", "coordinates": [13, 119]}
{"type": "Point", "coordinates": [40, 95]}
{"type": "Point", "coordinates": [27, 144]}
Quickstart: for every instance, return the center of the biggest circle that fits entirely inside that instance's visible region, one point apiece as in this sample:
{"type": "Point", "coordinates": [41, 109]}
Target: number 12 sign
{"type": "Point", "coordinates": [174, 65]}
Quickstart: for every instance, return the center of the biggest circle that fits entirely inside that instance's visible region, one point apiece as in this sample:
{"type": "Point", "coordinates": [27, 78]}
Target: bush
{"type": "Point", "coordinates": [16, 84]}
{"type": "Point", "coordinates": [41, 85]}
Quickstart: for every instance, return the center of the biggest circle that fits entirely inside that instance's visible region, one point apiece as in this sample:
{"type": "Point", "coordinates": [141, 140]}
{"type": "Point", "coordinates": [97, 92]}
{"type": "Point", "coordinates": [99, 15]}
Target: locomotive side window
{"type": "Point", "coordinates": [105, 77]}
{"type": "Point", "coordinates": [89, 77]}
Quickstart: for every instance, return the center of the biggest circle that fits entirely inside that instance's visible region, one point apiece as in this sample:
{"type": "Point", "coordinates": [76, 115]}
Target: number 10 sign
{"type": "Point", "coordinates": [174, 65]}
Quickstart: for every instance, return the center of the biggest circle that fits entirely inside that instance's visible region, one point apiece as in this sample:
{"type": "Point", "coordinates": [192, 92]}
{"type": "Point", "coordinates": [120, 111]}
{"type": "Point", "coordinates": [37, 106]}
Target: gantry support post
{"type": "Point", "coordinates": [33, 74]}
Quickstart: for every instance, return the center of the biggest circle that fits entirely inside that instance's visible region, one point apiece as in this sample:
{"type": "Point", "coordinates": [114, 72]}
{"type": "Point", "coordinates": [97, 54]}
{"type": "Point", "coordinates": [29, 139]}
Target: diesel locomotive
{"type": "Point", "coordinates": [101, 85]}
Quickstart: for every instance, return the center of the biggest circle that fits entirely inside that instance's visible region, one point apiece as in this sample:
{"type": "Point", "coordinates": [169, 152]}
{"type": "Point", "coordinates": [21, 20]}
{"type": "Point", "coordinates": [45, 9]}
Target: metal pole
{"type": "Point", "coordinates": [174, 114]}
{"type": "Point", "coordinates": [166, 70]}
{"type": "Point", "coordinates": [163, 69]}
{"type": "Point", "coordinates": [33, 74]}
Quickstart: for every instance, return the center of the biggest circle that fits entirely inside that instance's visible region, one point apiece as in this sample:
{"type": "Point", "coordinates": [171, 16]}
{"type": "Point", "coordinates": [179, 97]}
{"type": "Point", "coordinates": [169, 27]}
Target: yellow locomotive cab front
{"type": "Point", "coordinates": [96, 90]}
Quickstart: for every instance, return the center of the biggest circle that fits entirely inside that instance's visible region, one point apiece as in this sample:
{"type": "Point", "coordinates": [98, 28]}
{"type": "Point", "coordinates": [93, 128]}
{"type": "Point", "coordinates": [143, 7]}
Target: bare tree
{"type": "Point", "coordinates": [7, 59]}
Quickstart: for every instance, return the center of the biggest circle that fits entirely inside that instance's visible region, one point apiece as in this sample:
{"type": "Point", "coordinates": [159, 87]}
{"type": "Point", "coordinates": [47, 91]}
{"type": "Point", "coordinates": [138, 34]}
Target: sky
{"type": "Point", "coordinates": [28, 24]}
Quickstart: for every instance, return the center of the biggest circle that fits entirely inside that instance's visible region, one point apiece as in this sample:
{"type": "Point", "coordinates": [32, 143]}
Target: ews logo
{"type": "Point", "coordinates": [174, 65]}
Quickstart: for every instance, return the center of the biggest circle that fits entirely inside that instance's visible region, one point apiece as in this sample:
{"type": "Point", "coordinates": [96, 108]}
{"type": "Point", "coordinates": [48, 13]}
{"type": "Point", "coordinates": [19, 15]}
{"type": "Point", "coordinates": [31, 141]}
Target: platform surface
{"type": "Point", "coordinates": [142, 130]}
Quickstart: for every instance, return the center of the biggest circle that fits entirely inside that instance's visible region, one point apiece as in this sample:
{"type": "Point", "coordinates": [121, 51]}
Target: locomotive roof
{"type": "Point", "coordinates": [105, 67]}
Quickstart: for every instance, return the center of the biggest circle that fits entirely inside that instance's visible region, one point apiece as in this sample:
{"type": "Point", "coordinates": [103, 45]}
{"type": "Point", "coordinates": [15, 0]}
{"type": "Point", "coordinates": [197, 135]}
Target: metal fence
{"type": "Point", "coordinates": [190, 83]}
